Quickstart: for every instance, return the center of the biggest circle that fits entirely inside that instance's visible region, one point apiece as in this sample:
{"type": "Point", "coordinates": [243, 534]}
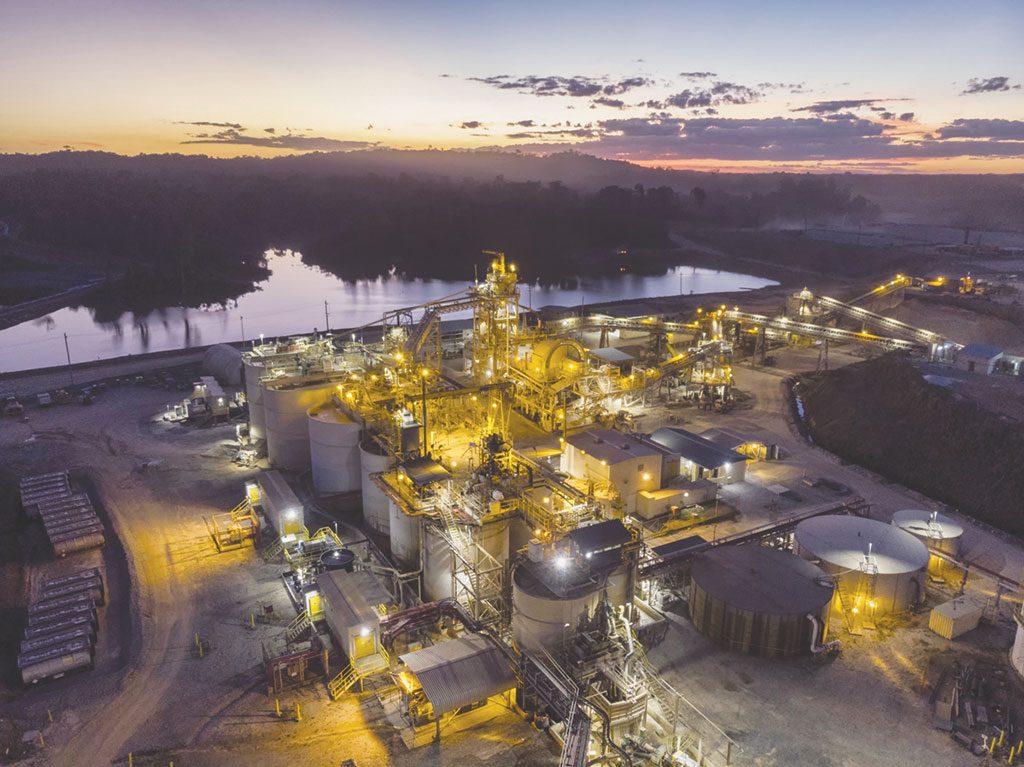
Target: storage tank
{"type": "Point", "coordinates": [542, 619]}
{"type": "Point", "coordinates": [405, 537]}
{"type": "Point", "coordinates": [758, 601]}
{"type": "Point", "coordinates": [934, 530]}
{"type": "Point", "coordinates": [334, 449]}
{"type": "Point", "coordinates": [252, 371]}
{"type": "Point", "coordinates": [878, 567]}
{"type": "Point", "coordinates": [373, 459]}
{"type": "Point", "coordinates": [285, 407]}
{"type": "Point", "coordinates": [1017, 653]}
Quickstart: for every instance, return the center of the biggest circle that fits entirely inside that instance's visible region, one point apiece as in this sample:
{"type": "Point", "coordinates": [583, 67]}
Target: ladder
{"type": "Point", "coordinates": [576, 737]}
{"type": "Point", "coordinates": [297, 627]}
{"type": "Point", "coordinates": [847, 605]}
{"type": "Point", "coordinates": [274, 550]}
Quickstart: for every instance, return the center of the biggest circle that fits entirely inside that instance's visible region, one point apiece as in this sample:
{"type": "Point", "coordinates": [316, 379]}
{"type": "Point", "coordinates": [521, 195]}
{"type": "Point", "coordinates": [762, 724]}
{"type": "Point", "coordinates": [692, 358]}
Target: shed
{"type": "Point", "coordinates": [955, 617]}
{"type": "Point", "coordinates": [978, 358]}
{"type": "Point", "coordinates": [280, 504]}
{"type": "Point", "coordinates": [460, 672]}
{"type": "Point", "coordinates": [351, 617]}
{"type": "Point", "coordinates": [699, 457]}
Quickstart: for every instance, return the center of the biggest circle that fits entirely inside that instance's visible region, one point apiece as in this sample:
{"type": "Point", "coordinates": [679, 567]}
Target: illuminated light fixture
{"type": "Point", "coordinates": [561, 561]}
{"type": "Point", "coordinates": [364, 631]}
{"type": "Point", "coordinates": [854, 611]}
{"type": "Point", "coordinates": [872, 604]}
{"type": "Point", "coordinates": [425, 372]}
{"type": "Point", "coordinates": [646, 476]}
{"type": "Point", "coordinates": [398, 356]}
{"type": "Point", "coordinates": [547, 499]}
{"type": "Point", "coordinates": [587, 555]}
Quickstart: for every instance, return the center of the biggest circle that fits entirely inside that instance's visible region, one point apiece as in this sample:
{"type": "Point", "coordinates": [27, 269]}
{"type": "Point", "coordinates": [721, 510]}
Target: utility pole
{"type": "Point", "coordinates": [327, 319]}
{"type": "Point", "coordinates": [67, 350]}
{"type": "Point", "coordinates": [241, 320]}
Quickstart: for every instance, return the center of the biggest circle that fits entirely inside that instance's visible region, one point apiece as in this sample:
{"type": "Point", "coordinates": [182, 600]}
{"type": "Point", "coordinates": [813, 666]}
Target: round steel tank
{"type": "Point", "coordinates": [334, 449]}
{"type": "Point", "coordinates": [879, 567]}
{"type": "Point", "coordinates": [252, 371]}
{"type": "Point", "coordinates": [224, 363]}
{"type": "Point", "coordinates": [285, 407]}
{"type": "Point", "coordinates": [373, 460]}
{"type": "Point", "coordinates": [1017, 653]}
{"type": "Point", "coordinates": [437, 565]}
{"type": "Point", "coordinates": [540, 618]}
{"type": "Point", "coordinates": [934, 530]}
{"type": "Point", "coordinates": [337, 559]}
{"type": "Point", "coordinates": [405, 537]}
{"type": "Point", "coordinates": [757, 601]}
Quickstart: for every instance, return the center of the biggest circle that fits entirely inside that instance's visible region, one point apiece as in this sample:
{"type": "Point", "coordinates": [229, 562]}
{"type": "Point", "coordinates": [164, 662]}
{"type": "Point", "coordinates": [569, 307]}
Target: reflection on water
{"type": "Point", "coordinates": [293, 300]}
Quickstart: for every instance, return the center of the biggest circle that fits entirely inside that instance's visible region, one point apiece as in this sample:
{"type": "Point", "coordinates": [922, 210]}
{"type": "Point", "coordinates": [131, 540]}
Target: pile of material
{"type": "Point", "coordinates": [69, 518]}
{"type": "Point", "coordinates": [60, 635]}
{"type": "Point", "coordinates": [883, 415]}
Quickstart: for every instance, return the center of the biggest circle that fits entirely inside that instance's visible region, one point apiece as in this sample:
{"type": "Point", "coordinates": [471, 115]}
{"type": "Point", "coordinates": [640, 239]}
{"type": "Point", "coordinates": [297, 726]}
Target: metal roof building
{"type": "Point", "coordinates": [700, 458]}
{"type": "Point", "coordinates": [611, 446]}
{"type": "Point", "coordinates": [460, 672]}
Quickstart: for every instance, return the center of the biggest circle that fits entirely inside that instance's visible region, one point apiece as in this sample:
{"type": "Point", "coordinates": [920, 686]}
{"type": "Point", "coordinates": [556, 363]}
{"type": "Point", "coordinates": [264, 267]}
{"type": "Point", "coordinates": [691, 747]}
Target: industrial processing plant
{"type": "Point", "coordinates": [482, 521]}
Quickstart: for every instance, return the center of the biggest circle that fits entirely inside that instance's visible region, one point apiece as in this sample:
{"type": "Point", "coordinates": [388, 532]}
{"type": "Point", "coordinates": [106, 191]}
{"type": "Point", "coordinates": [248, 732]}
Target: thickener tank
{"type": "Point", "coordinates": [253, 371]}
{"type": "Point", "coordinates": [542, 619]}
{"type": "Point", "coordinates": [405, 535]}
{"type": "Point", "coordinates": [934, 530]}
{"type": "Point", "coordinates": [334, 449]}
{"type": "Point", "coordinates": [760, 601]}
{"type": "Point", "coordinates": [1017, 653]}
{"type": "Point", "coordinates": [878, 567]}
{"type": "Point", "coordinates": [285, 406]}
{"type": "Point", "coordinates": [373, 459]}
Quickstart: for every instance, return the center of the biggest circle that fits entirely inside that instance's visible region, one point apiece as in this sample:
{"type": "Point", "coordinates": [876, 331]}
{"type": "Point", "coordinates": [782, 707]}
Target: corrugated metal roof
{"type": "Point", "coordinates": [425, 471]}
{"type": "Point", "coordinates": [695, 448]}
{"type": "Point", "coordinates": [276, 493]}
{"type": "Point", "coordinates": [981, 351]}
{"type": "Point", "coordinates": [456, 673]}
{"type": "Point", "coordinates": [611, 446]}
{"type": "Point", "coordinates": [600, 536]}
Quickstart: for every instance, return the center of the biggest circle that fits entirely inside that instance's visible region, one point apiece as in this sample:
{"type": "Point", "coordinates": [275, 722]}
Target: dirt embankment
{"type": "Point", "coordinates": [883, 415]}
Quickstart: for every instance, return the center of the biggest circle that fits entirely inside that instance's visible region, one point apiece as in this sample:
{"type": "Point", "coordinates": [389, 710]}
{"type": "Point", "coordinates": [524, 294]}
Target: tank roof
{"type": "Point", "coordinates": [760, 580]}
{"type": "Point", "coordinates": [328, 412]}
{"type": "Point", "coordinates": [920, 522]}
{"type": "Point", "coordinates": [843, 541]}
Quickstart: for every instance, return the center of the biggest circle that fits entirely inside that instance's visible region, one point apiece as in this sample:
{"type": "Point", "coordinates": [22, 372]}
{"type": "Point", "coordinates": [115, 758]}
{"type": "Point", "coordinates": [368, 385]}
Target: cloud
{"type": "Point", "coordinates": [290, 140]}
{"type": "Point", "coordinates": [827, 107]}
{"type": "Point", "coordinates": [697, 75]}
{"type": "Point", "coordinates": [208, 124]}
{"type": "Point", "coordinates": [604, 101]}
{"type": "Point", "coordinates": [783, 139]}
{"type": "Point", "coordinates": [1012, 130]}
{"type": "Point", "coordinates": [988, 85]}
{"type": "Point", "coordinates": [715, 95]}
{"type": "Point", "coordinates": [521, 124]}
{"type": "Point", "coordinates": [472, 125]}
{"type": "Point", "coordinates": [556, 85]}
{"type": "Point", "coordinates": [906, 117]}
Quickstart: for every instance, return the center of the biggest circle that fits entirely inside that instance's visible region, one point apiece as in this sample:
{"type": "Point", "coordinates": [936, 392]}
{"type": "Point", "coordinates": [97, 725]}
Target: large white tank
{"type": "Point", "coordinates": [541, 619]}
{"type": "Point", "coordinates": [1017, 653]}
{"type": "Point", "coordinates": [373, 459]}
{"type": "Point", "coordinates": [285, 406]}
{"type": "Point", "coordinates": [254, 396]}
{"type": "Point", "coordinates": [334, 449]}
{"type": "Point", "coordinates": [437, 565]}
{"type": "Point", "coordinates": [878, 567]}
{"type": "Point", "coordinates": [405, 537]}
{"type": "Point", "coordinates": [934, 530]}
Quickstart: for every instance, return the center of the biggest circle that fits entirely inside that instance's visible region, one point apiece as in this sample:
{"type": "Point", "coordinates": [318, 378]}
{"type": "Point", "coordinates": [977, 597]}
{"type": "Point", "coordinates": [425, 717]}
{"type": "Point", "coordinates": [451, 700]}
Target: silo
{"type": "Point", "coordinates": [405, 536]}
{"type": "Point", "coordinates": [1017, 653]}
{"type": "Point", "coordinates": [878, 567]}
{"type": "Point", "coordinates": [334, 449]}
{"type": "Point", "coordinates": [760, 601]}
{"type": "Point", "coordinates": [285, 405]}
{"type": "Point", "coordinates": [437, 565]}
{"type": "Point", "coordinates": [543, 620]}
{"type": "Point", "coordinates": [373, 459]}
{"type": "Point", "coordinates": [253, 370]}
{"type": "Point", "coordinates": [934, 530]}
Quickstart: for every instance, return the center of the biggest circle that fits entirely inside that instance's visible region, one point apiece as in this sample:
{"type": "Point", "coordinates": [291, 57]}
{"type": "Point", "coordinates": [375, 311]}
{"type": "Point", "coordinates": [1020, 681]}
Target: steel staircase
{"type": "Point", "coordinates": [297, 627]}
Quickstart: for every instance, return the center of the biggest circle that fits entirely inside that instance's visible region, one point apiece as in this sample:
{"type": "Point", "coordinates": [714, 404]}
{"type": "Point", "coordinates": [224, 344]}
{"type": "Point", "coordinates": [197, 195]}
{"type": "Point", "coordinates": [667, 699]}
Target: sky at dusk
{"type": "Point", "coordinates": [874, 86]}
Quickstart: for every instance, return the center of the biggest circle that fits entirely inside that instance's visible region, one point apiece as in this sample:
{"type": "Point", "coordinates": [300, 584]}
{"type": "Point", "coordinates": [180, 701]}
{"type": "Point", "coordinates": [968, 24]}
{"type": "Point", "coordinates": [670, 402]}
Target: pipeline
{"type": "Point", "coordinates": [816, 647]}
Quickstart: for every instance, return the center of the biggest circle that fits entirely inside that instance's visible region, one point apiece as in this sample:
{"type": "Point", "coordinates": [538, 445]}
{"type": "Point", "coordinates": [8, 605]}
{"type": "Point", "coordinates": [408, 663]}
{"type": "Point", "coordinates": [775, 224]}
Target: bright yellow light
{"type": "Point", "coordinates": [350, 395]}
{"type": "Point", "coordinates": [398, 356]}
{"type": "Point", "coordinates": [425, 372]}
{"type": "Point", "coordinates": [872, 604]}
{"type": "Point", "coordinates": [646, 476]}
{"type": "Point", "coordinates": [547, 499]}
